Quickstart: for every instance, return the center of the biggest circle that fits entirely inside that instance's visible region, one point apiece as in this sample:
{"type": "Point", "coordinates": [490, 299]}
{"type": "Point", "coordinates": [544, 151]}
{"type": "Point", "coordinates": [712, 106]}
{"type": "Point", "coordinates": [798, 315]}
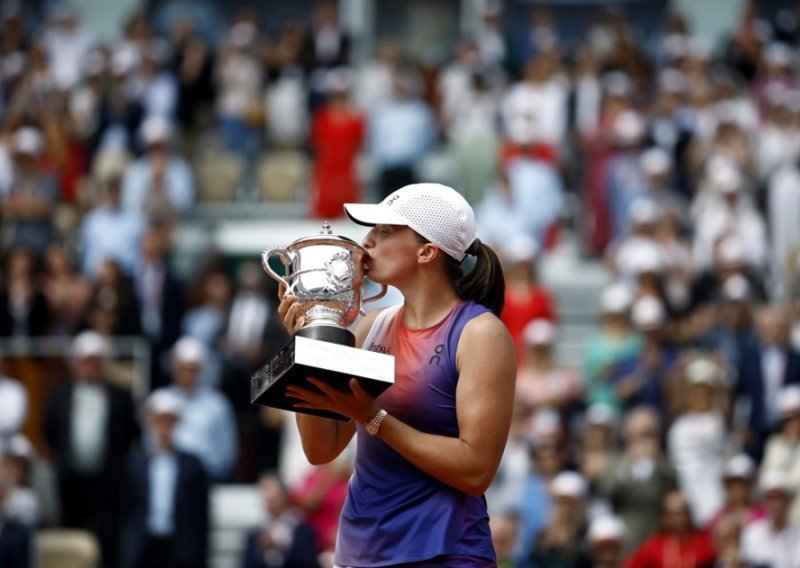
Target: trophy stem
{"type": "Point", "coordinates": [329, 333]}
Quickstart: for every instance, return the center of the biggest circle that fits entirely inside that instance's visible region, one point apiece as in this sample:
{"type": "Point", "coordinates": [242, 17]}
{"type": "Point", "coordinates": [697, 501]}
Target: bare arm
{"type": "Point", "coordinates": [323, 439]}
{"type": "Point", "coordinates": [484, 399]}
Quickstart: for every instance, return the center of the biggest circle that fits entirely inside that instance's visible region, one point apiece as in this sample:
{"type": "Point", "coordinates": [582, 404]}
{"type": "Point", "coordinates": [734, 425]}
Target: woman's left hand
{"type": "Point", "coordinates": [356, 404]}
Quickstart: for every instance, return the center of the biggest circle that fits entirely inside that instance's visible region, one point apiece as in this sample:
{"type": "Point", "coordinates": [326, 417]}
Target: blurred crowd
{"type": "Point", "coordinates": [672, 160]}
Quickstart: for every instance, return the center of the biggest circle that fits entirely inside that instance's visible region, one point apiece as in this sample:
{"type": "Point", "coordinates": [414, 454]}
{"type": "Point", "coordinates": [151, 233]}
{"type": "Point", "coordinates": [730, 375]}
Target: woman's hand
{"type": "Point", "coordinates": [356, 404]}
{"type": "Point", "coordinates": [287, 310]}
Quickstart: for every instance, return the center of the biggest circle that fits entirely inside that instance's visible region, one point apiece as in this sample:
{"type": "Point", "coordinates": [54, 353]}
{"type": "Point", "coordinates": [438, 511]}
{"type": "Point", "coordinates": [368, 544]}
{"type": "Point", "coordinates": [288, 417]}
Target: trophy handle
{"type": "Point", "coordinates": [285, 260]}
{"type": "Point", "coordinates": [377, 296]}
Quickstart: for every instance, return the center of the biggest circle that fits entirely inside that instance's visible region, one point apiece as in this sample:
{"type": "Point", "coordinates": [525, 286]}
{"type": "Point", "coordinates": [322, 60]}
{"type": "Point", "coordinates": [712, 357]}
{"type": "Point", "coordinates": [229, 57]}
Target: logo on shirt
{"type": "Point", "coordinates": [379, 349]}
{"type": "Point", "coordinates": [435, 358]}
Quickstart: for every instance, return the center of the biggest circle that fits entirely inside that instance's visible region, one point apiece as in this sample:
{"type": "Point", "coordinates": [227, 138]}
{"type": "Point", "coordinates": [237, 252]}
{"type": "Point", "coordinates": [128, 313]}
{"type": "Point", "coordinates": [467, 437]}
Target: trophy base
{"type": "Point", "coordinates": [329, 333]}
{"type": "Point", "coordinates": [333, 363]}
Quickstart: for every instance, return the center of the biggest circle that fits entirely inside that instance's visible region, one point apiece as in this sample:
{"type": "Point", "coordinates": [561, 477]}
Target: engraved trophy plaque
{"type": "Point", "coordinates": [325, 273]}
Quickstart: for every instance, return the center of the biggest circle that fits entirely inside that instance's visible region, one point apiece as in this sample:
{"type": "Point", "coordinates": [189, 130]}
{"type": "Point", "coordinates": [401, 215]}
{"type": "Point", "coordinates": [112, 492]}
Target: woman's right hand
{"type": "Point", "coordinates": [287, 310]}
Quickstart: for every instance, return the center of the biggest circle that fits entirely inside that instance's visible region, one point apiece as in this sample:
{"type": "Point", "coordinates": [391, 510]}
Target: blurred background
{"type": "Point", "coordinates": [635, 164]}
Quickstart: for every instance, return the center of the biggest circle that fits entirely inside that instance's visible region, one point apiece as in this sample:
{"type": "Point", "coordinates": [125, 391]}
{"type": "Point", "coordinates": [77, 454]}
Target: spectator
{"type": "Point", "coordinates": [605, 543]}
{"type": "Point", "coordinates": [505, 529]}
{"type": "Point", "coordinates": [400, 133]}
{"type": "Point", "coordinates": [113, 309]}
{"type": "Point", "coordinates": [763, 369]}
{"type": "Point", "coordinates": [67, 292]}
{"type": "Point", "coordinates": [252, 334]}
{"type": "Point", "coordinates": [207, 428]}
{"type": "Point", "coordinates": [625, 177]}
{"type": "Point", "coordinates": [23, 504]}
{"type": "Point", "coordinates": [780, 446]}
{"type": "Point", "coordinates": [238, 78]}
{"type": "Point", "coordinates": [16, 541]}
{"type": "Point", "coordinates": [159, 292]}
{"type": "Point", "coordinates": [67, 42]}
{"type": "Point", "coordinates": [285, 540]}
{"type": "Point", "coordinates": [525, 201]}
{"type": "Point", "coordinates": [697, 440]}
{"type": "Point", "coordinates": [28, 200]}
{"type": "Point", "coordinates": [13, 405]}
{"type": "Point", "coordinates": [166, 501]}
{"type": "Point", "coordinates": [541, 382]}
{"type": "Point", "coordinates": [337, 134]}
{"type": "Point", "coordinates": [160, 183]}
{"type": "Point", "coordinates": [646, 378]}
{"type": "Point", "coordinates": [615, 340]}
{"type": "Point", "coordinates": [320, 496]}
{"type": "Point", "coordinates": [23, 308]}
{"type": "Point", "coordinates": [108, 217]}
{"type": "Point", "coordinates": [525, 298]}
{"type": "Point", "coordinates": [206, 321]}
{"type": "Point", "coordinates": [90, 428]}
{"type": "Point", "coordinates": [636, 483]}
{"type": "Point", "coordinates": [560, 542]}
{"type": "Point", "coordinates": [772, 541]}
{"type": "Point", "coordinates": [678, 543]}
{"type": "Point", "coordinates": [598, 446]}
{"type": "Point", "coordinates": [740, 506]}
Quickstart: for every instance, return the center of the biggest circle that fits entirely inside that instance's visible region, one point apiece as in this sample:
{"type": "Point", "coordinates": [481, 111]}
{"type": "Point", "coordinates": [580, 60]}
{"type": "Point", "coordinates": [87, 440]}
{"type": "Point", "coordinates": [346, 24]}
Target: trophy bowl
{"type": "Point", "coordinates": [325, 273]}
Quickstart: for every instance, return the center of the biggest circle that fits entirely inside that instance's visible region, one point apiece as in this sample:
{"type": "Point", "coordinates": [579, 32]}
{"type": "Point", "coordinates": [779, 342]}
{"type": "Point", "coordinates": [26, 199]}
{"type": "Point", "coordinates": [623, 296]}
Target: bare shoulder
{"type": "Point", "coordinates": [486, 335]}
{"type": "Point", "coordinates": [364, 325]}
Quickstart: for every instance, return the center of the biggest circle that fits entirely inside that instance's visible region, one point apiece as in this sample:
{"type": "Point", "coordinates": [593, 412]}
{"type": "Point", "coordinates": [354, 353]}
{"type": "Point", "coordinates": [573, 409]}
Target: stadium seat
{"type": "Point", "coordinates": [66, 548]}
{"type": "Point", "coordinates": [219, 175]}
{"type": "Point", "coordinates": [235, 510]}
{"type": "Point", "coordinates": [281, 175]}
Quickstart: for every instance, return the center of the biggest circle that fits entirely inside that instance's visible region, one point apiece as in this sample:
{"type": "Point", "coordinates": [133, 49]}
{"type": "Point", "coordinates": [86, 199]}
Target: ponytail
{"type": "Point", "coordinates": [485, 283]}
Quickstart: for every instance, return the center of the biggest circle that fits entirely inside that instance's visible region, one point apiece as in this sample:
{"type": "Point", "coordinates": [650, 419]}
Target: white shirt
{"type": "Point", "coordinates": [163, 475]}
{"type": "Point", "coordinates": [13, 406]}
{"type": "Point", "coordinates": [773, 368]}
{"type": "Point", "coordinates": [760, 545]}
{"type": "Point", "coordinates": [89, 413]}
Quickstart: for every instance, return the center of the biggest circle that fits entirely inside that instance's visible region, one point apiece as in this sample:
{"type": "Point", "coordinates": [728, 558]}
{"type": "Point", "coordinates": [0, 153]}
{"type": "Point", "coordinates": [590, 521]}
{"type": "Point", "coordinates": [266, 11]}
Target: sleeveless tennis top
{"type": "Point", "coordinates": [394, 512]}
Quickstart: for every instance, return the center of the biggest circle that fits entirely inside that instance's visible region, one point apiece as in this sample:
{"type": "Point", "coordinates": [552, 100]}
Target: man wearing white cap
{"type": "Point", "coordinates": [160, 182]}
{"type": "Point", "coordinates": [29, 199]}
{"type": "Point", "coordinates": [90, 427]}
{"type": "Point", "coordinates": [165, 515]}
{"type": "Point", "coordinates": [774, 540]}
{"type": "Point", "coordinates": [697, 440]}
{"type": "Point", "coordinates": [606, 543]}
{"type": "Point", "coordinates": [561, 541]}
{"type": "Point", "coordinates": [781, 446]}
{"type": "Point", "coordinates": [207, 428]}
{"type": "Point", "coordinates": [616, 340]}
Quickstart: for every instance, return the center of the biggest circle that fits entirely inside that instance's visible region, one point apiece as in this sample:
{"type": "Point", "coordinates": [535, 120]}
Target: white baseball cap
{"type": "Point", "coordinates": [605, 528]}
{"type": "Point", "coordinates": [616, 298]}
{"type": "Point", "coordinates": [156, 129]}
{"type": "Point", "coordinates": [164, 401]}
{"type": "Point", "coordinates": [540, 332]}
{"type": "Point", "coordinates": [648, 313]}
{"type": "Point", "coordinates": [788, 402]}
{"type": "Point", "coordinates": [740, 466]}
{"type": "Point", "coordinates": [569, 484]}
{"type": "Point", "coordinates": [189, 350]}
{"type": "Point", "coordinates": [28, 140]}
{"type": "Point", "coordinates": [774, 480]}
{"type": "Point", "coordinates": [703, 371]}
{"type": "Point", "coordinates": [437, 212]}
{"type": "Point", "coordinates": [89, 344]}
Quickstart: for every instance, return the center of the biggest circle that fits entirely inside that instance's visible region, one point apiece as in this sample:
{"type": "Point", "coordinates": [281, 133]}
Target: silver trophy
{"type": "Point", "coordinates": [325, 273]}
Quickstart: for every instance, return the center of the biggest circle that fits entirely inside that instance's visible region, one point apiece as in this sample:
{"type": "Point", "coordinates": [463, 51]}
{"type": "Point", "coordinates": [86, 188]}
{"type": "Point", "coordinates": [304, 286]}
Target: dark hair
{"type": "Point", "coordinates": [484, 283]}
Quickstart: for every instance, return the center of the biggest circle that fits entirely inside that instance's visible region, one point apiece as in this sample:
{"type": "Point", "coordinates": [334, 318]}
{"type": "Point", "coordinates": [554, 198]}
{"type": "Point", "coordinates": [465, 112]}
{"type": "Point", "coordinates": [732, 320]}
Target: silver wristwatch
{"type": "Point", "coordinates": [374, 426]}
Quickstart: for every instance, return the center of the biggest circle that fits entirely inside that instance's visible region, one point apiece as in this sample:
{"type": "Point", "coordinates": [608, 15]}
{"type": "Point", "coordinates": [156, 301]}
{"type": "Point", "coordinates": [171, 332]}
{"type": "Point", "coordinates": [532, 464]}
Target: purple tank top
{"type": "Point", "coordinates": [394, 512]}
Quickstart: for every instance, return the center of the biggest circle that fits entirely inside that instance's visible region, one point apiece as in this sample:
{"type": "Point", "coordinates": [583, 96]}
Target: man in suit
{"type": "Point", "coordinates": [252, 334]}
{"type": "Point", "coordinates": [285, 540]}
{"type": "Point", "coordinates": [165, 510]}
{"type": "Point", "coordinates": [89, 427]}
{"type": "Point", "coordinates": [15, 539]}
{"type": "Point", "coordinates": [161, 301]}
{"type": "Point", "coordinates": [765, 368]}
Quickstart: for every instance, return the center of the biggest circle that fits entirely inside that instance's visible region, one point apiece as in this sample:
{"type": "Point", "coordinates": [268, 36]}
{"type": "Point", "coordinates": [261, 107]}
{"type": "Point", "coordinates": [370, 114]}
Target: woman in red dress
{"type": "Point", "coordinates": [337, 134]}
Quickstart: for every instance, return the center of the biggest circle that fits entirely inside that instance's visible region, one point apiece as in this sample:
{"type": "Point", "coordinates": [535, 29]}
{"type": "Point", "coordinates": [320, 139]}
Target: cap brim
{"type": "Point", "coordinates": [371, 214]}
